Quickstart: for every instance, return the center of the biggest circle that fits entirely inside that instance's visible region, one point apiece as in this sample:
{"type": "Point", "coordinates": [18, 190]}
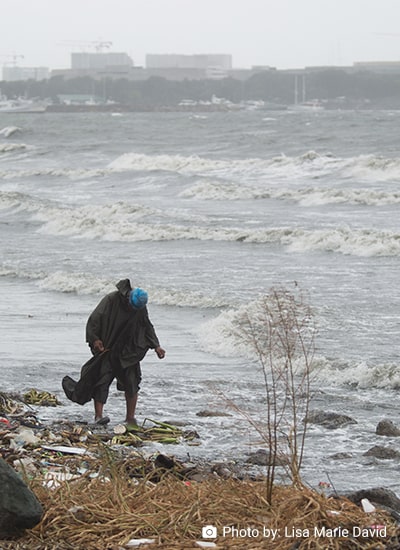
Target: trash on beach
{"type": "Point", "coordinates": [67, 450]}
{"type": "Point", "coordinates": [205, 544]}
{"type": "Point", "coordinates": [138, 542]}
{"type": "Point", "coordinates": [22, 437]}
{"type": "Point", "coordinates": [53, 480]}
{"type": "Point", "coordinates": [367, 506]}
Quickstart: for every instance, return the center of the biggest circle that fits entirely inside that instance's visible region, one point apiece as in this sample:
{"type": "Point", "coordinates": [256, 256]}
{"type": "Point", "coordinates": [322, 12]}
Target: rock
{"type": "Point", "coordinates": [385, 453]}
{"type": "Point", "coordinates": [19, 507]}
{"type": "Point", "coordinates": [388, 428]}
{"type": "Point", "coordinates": [212, 413]}
{"type": "Point", "coordinates": [340, 456]}
{"type": "Point", "coordinates": [260, 458]}
{"type": "Point", "coordinates": [329, 420]}
{"type": "Point", "coordinates": [381, 497]}
{"type": "Point", "coordinates": [264, 458]}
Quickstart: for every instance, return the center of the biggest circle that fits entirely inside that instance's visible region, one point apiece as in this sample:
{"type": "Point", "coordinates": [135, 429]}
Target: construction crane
{"type": "Point", "coordinates": [98, 45]}
{"type": "Point", "coordinates": [14, 59]}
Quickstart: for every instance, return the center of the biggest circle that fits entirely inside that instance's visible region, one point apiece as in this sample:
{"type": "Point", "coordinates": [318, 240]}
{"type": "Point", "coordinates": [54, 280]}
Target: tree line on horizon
{"type": "Point", "coordinates": [330, 85]}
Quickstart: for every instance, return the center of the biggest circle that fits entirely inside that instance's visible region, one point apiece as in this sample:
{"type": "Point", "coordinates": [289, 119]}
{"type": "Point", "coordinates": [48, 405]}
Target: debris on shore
{"type": "Point", "coordinates": [100, 491]}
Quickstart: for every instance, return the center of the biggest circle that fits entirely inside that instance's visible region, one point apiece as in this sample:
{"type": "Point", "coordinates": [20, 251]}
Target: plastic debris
{"type": "Point", "coordinates": [53, 480]}
{"type": "Point", "coordinates": [367, 506]}
{"type": "Point", "coordinates": [138, 542]}
{"type": "Point", "coordinates": [67, 450]}
{"type": "Point", "coordinates": [205, 544]}
{"type": "Point", "coordinates": [22, 437]}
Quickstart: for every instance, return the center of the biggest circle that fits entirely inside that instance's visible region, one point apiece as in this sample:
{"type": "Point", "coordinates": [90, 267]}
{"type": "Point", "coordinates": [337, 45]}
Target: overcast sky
{"type": "Point", "coordinates": [280, 33]}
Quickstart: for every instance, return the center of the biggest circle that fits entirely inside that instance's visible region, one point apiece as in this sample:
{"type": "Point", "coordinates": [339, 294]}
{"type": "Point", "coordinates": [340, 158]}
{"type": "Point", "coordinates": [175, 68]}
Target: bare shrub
{"type": "Point", "coordinates": [279, 330]}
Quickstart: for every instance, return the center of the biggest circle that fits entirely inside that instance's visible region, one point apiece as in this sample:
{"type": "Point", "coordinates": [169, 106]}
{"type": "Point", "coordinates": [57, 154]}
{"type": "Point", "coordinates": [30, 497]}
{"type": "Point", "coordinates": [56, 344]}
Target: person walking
{"type": "Point", "coordinates": [119, 334]}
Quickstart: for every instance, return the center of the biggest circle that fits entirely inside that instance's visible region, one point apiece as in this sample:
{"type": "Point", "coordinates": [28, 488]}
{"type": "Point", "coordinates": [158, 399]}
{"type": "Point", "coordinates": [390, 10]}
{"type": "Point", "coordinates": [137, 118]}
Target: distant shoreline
{"type": "Point", "coordinates": [193, 109]}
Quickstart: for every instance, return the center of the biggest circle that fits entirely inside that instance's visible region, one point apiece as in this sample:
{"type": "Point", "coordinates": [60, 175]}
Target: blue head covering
{"type": "Point", "coordinates": [138, 298]}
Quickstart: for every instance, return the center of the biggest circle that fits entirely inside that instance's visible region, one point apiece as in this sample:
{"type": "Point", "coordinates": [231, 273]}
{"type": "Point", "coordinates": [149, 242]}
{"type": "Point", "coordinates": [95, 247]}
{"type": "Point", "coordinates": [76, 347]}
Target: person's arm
{"type": "Point", "coordinates": [94, 326]}
{"type": "Point", "coordinates": [152, 338]}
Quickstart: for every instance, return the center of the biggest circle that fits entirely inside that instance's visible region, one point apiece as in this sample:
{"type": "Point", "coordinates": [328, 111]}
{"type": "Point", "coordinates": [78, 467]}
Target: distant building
{"type": "Point", "coordinates": [14, 73]}
{"type": "Point", "coordinates": [100, 61]}
{"type": "Point", "coordinates": [196, 61]}
{"type": "Point", "coordinates": [378, 66]}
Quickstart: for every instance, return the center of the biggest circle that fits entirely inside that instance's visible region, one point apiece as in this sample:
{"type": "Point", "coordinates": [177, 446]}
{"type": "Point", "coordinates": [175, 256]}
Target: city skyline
{"type": "Point", "coordinates": [284, 34]}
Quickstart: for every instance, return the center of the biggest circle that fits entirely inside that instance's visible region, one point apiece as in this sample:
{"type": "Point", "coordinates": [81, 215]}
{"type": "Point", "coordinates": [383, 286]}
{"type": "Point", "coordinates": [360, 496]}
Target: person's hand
{"type": "Point", "coordinates": [98, 346]}
{"type": "Point", "coordinates": [160, 352]}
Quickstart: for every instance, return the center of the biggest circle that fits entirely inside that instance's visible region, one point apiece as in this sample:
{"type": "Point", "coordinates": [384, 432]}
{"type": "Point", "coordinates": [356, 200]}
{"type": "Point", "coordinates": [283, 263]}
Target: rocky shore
{"type": "Point", "coordinates": [74, 485]}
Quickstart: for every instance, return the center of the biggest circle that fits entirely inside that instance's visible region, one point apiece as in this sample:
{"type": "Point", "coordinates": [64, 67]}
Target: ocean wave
{"type": "Point", "coordinates": [219, 335]}
{"type": "Point", "coordinates": [375, 168]}
{"type": "Point", "coordinates": [310, 165]}
{"type": "Point", "coordinates": [119, 223]}
{"type": "Point", "coordinates": [8, 131]}
{"type": "Point", "coordinates": [305, 196]}
{"type": "Point", "coordinates": [71, 173]}
{"type": "Point", "coordinates": [194, 164]}
{"type": "Point", "coordinates": [87, 284]}
{"type": "Point", "coordinates": [21, 201]}
{"type": "Point", "coordinates": [357, 374]}
{"type": "Point", "coordinates": [126, 222]}
{"type": "Point", "coordinates": [9, 147]}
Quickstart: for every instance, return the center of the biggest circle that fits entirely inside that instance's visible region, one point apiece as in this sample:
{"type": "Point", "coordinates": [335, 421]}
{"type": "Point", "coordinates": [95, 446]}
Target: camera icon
{"type": "Point", "coordinates": [209, 532]}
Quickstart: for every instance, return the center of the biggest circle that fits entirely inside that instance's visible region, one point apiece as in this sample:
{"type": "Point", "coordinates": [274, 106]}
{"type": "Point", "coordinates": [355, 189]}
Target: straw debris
{"type": "Point", "coordinates": [105, 513]}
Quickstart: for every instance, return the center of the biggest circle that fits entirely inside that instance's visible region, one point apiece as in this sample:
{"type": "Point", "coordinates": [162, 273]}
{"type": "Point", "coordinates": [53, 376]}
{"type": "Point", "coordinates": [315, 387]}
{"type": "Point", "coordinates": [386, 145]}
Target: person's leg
{"type": "Point", "coordinates": [128, 380]}
{"type": "Point", "coordinates": [98, 410]}
{"type": "Point", "coordinates": [131, 401]}
{"type": "Point", "coordinates": [100, 392]}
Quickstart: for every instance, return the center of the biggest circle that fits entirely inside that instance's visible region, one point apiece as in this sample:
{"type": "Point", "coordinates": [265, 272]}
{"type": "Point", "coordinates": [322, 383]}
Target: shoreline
{"type": "Point", "coordinates": [98, 492]}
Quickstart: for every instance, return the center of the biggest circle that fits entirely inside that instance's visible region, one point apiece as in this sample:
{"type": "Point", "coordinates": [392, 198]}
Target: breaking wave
{"type": "Point", "coordinates": [76, 173]}
{"type": "Point", "coordinates": [219, 335]}
{"type": "Point", "coordinates": [9, 147]}
{"type": "Point", "coordinates": [358, 374]}
{"type": "Point", "coordinates": [310, 165]}
{"type": "Point", "coordinates": [105, 224]}
{"type": "Point", "coordinates": [306, 196]}
{"type": "Point", "coordinates": [87, 284]}
{"type": "Point", "coordinates": [126, 222]}
{"type": "Point", "coordinates": [8, 131]}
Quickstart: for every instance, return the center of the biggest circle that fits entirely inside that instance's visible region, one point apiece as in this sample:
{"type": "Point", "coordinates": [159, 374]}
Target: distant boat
{"type": "Point", "coordinates": [314, 105]}
{"type": "Point", "coordinates": [21, 105]}
{"type": "Point", "coordinates": [303, 104]}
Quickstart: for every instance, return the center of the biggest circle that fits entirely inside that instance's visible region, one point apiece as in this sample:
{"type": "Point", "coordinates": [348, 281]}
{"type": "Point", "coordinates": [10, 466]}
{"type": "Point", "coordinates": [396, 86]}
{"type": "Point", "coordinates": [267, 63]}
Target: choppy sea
{"type": "Point", "coordinates": [208, 212]}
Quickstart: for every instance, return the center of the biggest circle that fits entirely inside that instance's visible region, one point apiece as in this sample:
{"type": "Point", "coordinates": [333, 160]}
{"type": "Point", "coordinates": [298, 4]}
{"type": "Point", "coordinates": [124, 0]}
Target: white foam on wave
{"type": "Point", "coordinates": [9, 147]}
{"type": "Point", "coordinates": [88, 284]}
{"type": "Point", "coordinates": [194, 164]}
{"type": "Point", "coordinates": [108, 222]}
{"type": "Point", "coordinates": [305, 196]}
{"type": "Point", "coordinates": [123, 223]}
{"type": "Point", "coordinates": [309, 164]}
{"type": "Point", "coordinates": [344, 240]}
{"type": "Point", "coordinates": [71, 173]}
{"type": "Point", "coordinates": [358, 374]}
{"type": "Point", "coordinates": [8, 131]}
{"type": "Point", "coordinates": [375, 168]}
{"type": "Point", "coordinates": [219, 335]}
{"type": "Point", "coordinates": [279, 168]}
{"type": "Point", "coordinates": [21, 201]}
{"type": "Point", "coordinates": [126, 222]}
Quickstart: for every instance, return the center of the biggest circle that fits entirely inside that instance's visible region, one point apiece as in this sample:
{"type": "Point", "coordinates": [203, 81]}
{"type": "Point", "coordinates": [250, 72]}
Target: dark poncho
{"type": "Point", "coordinates": [127, 335]}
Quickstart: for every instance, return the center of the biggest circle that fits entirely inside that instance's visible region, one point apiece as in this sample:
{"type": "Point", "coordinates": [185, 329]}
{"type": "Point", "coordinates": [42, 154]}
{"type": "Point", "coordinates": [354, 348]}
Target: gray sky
{"type": "Point", "coordinates": [279, 33]}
